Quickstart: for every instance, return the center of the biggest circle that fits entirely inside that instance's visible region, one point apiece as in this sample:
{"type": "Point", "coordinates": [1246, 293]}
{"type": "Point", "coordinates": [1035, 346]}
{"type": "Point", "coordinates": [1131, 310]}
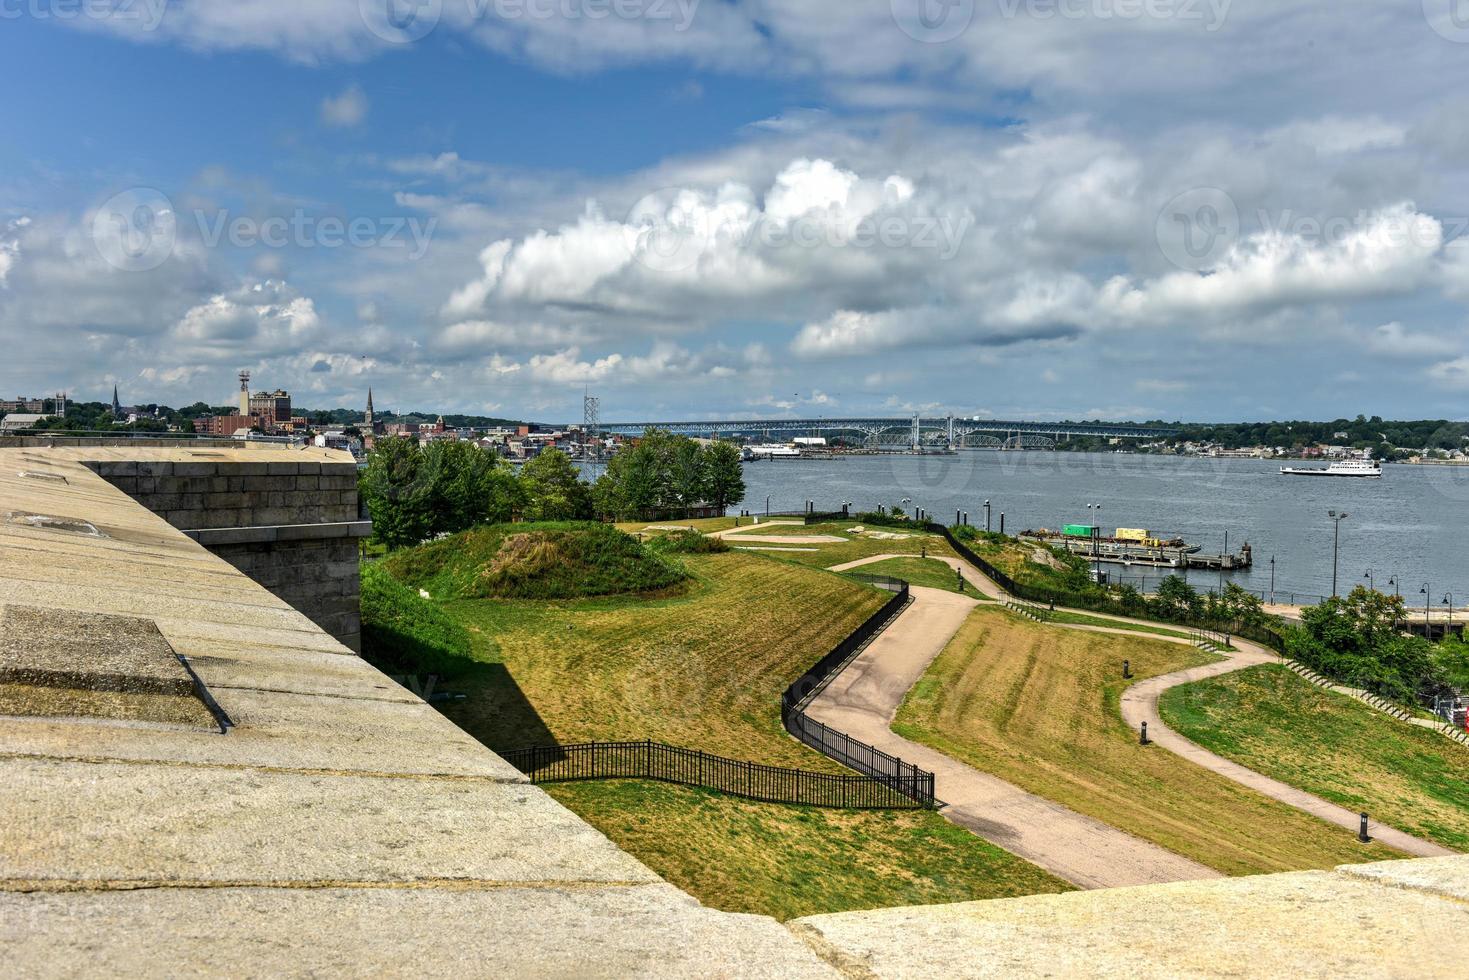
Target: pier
{"type": "Point", "coordinates": [1133, 553]}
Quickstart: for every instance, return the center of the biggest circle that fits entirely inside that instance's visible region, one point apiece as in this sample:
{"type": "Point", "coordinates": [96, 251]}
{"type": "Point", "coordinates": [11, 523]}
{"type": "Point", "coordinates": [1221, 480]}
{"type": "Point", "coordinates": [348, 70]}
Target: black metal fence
{"type": "Point", "coordinates": [888, 770]}
{"type": "Point", "coordinates": [691, 767]}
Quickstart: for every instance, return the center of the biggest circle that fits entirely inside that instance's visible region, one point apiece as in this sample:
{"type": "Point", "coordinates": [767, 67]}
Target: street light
{"type": "Point", "coordinates": [1427, 593]}
{"type": "Point", "coordinates": [767, 506]}
{"type": "Point", "coordinates": [1371, 577]}
{"type": "Point", "coordinates": [1336, 520]}
{"type": "Point", "coordinates": [1272, 580]}
{"type": "Point", "coordinates": [986, 516]}
{"type": "Point", "coordinates": [1095, 510]}
{"type": "Point", "coordinates": [1449, 601]}
{"type": "Point", "coordinates": [1396, 589]}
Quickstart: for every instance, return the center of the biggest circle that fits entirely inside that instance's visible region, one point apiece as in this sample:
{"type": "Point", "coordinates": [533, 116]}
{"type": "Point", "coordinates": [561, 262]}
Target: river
{"type": "Point", "coordinates": [1412, 525]}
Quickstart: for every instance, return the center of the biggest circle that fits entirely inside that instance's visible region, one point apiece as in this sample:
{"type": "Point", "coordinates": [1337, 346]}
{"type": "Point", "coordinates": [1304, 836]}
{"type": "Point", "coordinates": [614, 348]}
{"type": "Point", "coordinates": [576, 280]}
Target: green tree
{"type": "Point", "coordinates": [468, 486]}
{"type": "Point", "coordinates": [552, 489]}
{"type": "Point", "coordinates": [398, 492]}
{"type": "Point", "coordinates": [724, 475]}
{"type": "Point", "coordinates": [1176, 599]}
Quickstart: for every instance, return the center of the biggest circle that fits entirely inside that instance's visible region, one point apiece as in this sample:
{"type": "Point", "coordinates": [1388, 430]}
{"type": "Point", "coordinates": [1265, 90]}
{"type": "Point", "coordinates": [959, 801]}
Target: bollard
{"type": "Point", "coordinates": [1362, 831]}
{"type": "Point", "coordinates": [1126, 669]}
{"type": "Point", "coordinates": [1002, 522]}
{"type": "Point", "coordinates": [1143, 739]}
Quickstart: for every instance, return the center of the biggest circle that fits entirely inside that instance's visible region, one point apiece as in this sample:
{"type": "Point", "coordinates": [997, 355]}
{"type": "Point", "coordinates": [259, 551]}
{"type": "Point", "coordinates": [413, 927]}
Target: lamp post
{"type": "Point", "coordinates": [767, 506]}
{"type": "Point", "coordinates": [1427, 593]}
{"type": "Point", "coordinates": [1336, 519]}
{"type": "Point", "coordinates": [1396, 589]}
{"type": "Point", "coordinates": [1371, 577]}
{"type": "Point", "coordinates": [1449, 601]}
{"type": "Point", "coordinates": [1272, 580]}
{"type": "Point", "coordinates": [1095, 512]}
{"type": "Point", "coordinates": [986, 515]}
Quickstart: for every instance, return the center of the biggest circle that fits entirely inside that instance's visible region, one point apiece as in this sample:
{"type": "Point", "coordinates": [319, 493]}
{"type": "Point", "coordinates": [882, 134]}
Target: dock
{"type": "Point", "coordinates": [1134, 553]}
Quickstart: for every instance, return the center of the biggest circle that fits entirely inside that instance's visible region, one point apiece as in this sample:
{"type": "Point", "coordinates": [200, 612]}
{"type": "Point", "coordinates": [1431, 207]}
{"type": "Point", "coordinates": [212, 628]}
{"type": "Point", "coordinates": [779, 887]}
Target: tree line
{"type": "Point", "coordinates": [415, 493]}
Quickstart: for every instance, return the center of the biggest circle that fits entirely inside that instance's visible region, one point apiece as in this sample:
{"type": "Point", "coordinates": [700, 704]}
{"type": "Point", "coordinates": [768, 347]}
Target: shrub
{"type": "Point", "coordinates": [687, 542]}
{"type": "Point", "coordinates": [554, 560]}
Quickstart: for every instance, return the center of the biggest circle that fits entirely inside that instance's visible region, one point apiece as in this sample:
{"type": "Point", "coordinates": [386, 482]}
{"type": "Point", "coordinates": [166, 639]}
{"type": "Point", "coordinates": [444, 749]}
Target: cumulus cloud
{"type": "Point", "coordinates": [261, 318]}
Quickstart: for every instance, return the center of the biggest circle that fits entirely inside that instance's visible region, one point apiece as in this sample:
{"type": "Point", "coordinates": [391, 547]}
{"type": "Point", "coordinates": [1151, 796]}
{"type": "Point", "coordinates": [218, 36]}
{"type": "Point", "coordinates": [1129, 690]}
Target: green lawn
{"type": "Point", "coordinates": [787, 862]}
{"type": "Point", "coordinates": [1270, 720]}
{"type": "Point", "coordinates": [928, 572]}
{"type": "Point", "coordinates": [1037, 705]}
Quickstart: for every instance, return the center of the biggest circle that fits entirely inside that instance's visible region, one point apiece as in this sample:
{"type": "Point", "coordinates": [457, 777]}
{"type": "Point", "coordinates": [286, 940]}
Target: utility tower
{"type": "Point", "coordinates": [591, 421]}
{"type": "Point", "coordinates": [244, 392]}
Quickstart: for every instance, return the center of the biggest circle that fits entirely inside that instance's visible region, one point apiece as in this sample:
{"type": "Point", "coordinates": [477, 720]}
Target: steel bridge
{"type": "Point", "coordinates": [913, 431]}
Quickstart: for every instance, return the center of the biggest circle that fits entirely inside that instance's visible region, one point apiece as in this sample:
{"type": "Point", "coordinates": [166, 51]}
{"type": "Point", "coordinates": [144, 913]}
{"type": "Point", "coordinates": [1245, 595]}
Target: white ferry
{"type": "Point", "coordinates": [771, 451]}
{"type": "Point", "coordinates": [1370, 469]}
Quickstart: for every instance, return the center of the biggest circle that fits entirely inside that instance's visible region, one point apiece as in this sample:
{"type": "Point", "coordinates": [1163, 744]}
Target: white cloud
{"type": "Point", "coordinates": [258, 318]}
{"type": "Point", "coordinates": [345, 110]}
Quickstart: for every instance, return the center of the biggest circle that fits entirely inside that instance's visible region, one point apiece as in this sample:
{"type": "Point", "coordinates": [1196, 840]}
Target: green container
{"type": "Point", "coordinates": [1078, 530]}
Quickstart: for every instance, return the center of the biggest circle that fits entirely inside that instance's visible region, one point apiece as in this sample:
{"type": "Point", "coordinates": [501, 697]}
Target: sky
{"type": "Point", "coordinates": [1203, 210]}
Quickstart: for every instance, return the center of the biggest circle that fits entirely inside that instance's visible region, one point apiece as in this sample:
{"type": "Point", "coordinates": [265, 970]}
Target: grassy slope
{"type": "Point", "coordinates": [1081, 619]}
{"type": "Point", "coordinates": [405, 633]}
{"type": "Point", "coordinates": [706, 668]}
{"type": "Point", "coordinates": [1276, 723]}
{"type": "Point", "coordinates": [921, 571]}
{"type": "Point", "coordinates": [1037, 705]}
{"type": "Point", "coordinates": [795, 861]}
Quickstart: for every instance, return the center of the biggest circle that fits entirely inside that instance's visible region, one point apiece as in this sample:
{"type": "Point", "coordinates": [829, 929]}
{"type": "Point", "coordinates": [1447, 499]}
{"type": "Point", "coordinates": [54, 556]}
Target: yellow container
{"type": "Point", "coordinates": [1132, 534]}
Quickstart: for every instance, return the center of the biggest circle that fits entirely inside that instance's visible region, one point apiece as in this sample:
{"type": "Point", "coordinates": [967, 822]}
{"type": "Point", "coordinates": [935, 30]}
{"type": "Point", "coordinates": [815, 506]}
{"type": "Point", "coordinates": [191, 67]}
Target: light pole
{"type": "Point", "coordinates": [1095, 510]}
{"type": "Point", "coordinates": [1371, 577]}
{"type": "Point", "coordinates": [1336, 519]}
{"type": "Point", "coordinates": [1427, 592]}
{"type": "Point", "coordinates": [1272, 580]}
{"type": "Point", "coordinates": [767, 506]}
{"type": "Point", "coordinates": [986, 516]}
{"type": "Point", "coordinates": [1221, 563]}
{"type": "Point", "coordinates": [1396, 589]}
{"type": "Point", "coordinates": [1449, 601]}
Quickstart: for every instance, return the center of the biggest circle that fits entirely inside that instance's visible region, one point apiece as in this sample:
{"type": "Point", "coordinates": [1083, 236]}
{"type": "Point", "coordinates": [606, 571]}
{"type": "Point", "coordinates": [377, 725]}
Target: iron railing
{"type": "Point", "coordinates": [691, 767]}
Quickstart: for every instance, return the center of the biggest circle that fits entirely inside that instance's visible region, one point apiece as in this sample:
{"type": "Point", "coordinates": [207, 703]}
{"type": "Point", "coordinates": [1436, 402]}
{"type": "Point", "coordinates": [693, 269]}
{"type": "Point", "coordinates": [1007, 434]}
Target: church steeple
{"type": "Point", "coordinates": [116, 405]}
{"type": "Point", "coordinates": [367, 419]}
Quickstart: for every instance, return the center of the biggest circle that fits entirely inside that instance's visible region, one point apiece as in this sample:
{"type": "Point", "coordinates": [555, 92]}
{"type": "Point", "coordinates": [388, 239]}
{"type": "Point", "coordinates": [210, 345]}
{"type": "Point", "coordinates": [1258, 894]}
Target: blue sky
{"type": "Point", "coordinates": [1038, 208]}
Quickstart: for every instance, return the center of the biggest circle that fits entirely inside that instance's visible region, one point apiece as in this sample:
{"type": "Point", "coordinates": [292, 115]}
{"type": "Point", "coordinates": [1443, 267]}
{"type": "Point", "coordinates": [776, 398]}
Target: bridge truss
{"type": "Point", "coordinates": [913, 431]}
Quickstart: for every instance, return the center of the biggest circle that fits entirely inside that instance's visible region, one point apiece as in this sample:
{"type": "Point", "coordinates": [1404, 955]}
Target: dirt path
{"type": "Point", "coordinates": [862, 701]}
{"type": "Point", "coordinates": [753, 532]}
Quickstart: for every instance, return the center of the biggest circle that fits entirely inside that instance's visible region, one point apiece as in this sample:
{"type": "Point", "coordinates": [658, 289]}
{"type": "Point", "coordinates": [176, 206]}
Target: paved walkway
{"type": "Point", "coordinates": [862, 701]}
{"type": "Point", "coordinates": [753, 532]}
{"type": "Point", "coordinates": [1140, 703]}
